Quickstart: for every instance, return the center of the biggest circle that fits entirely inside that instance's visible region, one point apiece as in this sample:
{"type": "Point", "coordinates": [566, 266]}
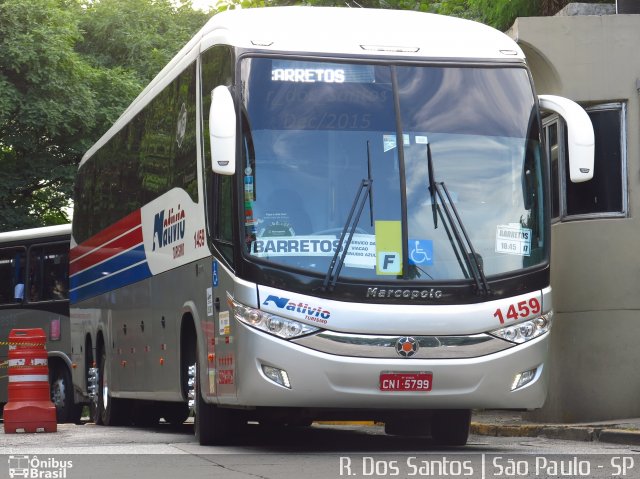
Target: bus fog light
{"type": "Point", "coordinates": [276, 375]}
{"type": "Point", "coordinates": [523, 378]}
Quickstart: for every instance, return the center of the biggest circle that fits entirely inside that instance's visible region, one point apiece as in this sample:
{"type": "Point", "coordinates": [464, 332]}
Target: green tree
{"type": "Point", "coordinates": [139, 36]}
{"type": "Point", "coordinates": [68, 68]}
{"type": "Point", "coordinates": [46, 109]}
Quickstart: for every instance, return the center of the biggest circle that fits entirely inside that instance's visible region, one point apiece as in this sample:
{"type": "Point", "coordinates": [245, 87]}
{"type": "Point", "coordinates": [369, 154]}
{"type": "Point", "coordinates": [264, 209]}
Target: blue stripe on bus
{"type": "Point", "coordinates": [110, 283]}
{"type": "Point", "coordinates": [113, 265]}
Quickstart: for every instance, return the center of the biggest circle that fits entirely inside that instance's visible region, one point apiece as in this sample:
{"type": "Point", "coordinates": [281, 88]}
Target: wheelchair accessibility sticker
{"type": "Point", "coordinates": [421, 252]}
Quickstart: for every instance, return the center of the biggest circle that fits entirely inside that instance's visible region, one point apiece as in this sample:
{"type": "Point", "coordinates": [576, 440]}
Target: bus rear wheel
{"type": "Point", "coordinates": [111, 411]}
{"type": "Point", "coordinates": [62, 395]}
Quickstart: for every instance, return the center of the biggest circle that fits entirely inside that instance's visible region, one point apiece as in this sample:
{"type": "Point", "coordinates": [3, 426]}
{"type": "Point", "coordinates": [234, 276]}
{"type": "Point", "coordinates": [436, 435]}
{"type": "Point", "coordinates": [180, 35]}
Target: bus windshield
{"type": "Point", "coordinates": [314, 132]}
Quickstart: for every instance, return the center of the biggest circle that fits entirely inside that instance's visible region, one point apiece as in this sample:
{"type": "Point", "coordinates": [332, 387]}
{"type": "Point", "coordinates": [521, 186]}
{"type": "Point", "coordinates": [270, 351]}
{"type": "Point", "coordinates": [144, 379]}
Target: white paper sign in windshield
{"type": "Point", "coordinates": [513, 239]}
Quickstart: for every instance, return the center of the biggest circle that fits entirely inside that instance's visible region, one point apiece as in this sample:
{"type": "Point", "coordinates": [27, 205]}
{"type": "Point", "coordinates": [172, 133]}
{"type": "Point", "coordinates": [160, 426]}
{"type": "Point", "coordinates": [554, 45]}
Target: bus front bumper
{"type": "Point", "coordinates": [321, 380]}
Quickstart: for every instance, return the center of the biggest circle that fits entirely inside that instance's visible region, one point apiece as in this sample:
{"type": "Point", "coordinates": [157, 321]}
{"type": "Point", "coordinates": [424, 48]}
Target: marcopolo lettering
{"type": "Point", "coordinates": [404, 293]}
{"type": "Point", "coordinates": [168, 228]}
{"type": "Point", "coordinates": [302, 308]}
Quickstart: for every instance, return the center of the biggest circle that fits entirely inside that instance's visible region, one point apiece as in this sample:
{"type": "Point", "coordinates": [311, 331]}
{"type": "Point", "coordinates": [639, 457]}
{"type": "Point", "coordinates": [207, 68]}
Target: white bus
{"type": "Point", "coordinates": [316, 213]}
{"type": "Point", "coordinates": [34, 283]}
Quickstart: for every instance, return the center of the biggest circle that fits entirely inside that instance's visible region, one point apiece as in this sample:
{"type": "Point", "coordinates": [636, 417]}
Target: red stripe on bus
{"type": "Point", "coordinates": [125, 224]}
{"type": "Point", "coordinates": [126, 242]}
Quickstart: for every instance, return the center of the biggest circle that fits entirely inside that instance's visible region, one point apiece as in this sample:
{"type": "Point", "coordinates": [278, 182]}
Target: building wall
{"type": "Point", "coordinates": [594, 367]}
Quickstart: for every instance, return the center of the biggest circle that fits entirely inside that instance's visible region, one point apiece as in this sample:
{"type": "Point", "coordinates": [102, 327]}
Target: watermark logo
{"type": "Point", "coordinates": [38, 468]}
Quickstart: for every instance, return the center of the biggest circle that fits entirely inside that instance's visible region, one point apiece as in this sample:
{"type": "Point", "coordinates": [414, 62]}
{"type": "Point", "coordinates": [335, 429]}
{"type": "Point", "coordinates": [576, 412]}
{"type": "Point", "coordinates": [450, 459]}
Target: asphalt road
{"type": "Point", "coordinates": [322, 451]}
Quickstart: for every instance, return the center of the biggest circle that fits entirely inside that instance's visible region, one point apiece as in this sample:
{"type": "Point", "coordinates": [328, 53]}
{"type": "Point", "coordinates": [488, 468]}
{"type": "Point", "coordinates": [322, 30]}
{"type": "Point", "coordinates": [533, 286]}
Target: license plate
{"type": "Point", "coordinates": [406, 381]}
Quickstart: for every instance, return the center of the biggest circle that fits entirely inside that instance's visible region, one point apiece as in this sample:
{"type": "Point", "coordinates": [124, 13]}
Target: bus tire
{"type": "Point", "coordinates": [62, 395]}
{"type": "Point", "coordinates": [111, 411]}
{"type": "Point", "coordinates": [213, 425]}
{"type": "Point", "coordinates": [411, 424]}
{"type": "Point", "coordinates": [451, 427]}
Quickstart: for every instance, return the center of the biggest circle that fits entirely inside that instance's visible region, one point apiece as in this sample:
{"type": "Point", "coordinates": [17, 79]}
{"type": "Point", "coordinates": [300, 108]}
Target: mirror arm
{"type": "Point", "coordinates": [579, 133]}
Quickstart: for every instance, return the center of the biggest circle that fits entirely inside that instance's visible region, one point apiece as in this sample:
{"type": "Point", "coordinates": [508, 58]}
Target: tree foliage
{"type": "Point", "coordinates": [139, 36]}
{"type": "Point", "coordinates": [46, 107]}
{"type": "Point", "coordinates": [68, 68]}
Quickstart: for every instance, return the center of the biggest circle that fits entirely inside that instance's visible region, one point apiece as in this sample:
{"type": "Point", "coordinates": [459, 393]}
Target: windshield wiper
{"type": "Point", "coordinates": [432, 186]}
{"type": "Point", "coordinates": [349, 227]}
{"type": "Point", "coordinates": [471, 257]}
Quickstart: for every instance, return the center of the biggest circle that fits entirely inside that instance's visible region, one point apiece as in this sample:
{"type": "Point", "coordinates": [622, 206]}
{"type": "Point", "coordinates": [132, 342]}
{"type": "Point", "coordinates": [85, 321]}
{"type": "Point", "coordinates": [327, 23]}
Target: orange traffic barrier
{"type": "Point", "coordinates": [29, 407]}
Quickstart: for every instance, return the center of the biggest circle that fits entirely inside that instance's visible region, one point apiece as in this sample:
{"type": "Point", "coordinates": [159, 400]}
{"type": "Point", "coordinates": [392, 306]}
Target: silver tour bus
{"type": "Point", "coordinates": [321, 213]}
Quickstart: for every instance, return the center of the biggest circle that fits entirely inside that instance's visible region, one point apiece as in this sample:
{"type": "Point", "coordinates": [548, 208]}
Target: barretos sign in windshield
{"type": "Point", "coordinates": [361, 252]}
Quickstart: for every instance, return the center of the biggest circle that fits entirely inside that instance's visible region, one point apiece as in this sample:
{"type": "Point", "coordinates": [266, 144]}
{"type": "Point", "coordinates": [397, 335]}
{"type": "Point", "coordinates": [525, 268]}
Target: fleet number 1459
{"type": "Point", "coordinates": [522, 309]}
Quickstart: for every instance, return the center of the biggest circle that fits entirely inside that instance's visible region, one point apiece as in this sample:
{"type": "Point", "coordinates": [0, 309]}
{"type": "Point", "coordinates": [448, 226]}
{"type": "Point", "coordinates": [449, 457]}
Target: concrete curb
{"type": "Point", "coordinates": [569, 433]}
{"type": "Point", "coordinates": [620, 436]}
{"type": "Point", "coordinates": [584, 433]}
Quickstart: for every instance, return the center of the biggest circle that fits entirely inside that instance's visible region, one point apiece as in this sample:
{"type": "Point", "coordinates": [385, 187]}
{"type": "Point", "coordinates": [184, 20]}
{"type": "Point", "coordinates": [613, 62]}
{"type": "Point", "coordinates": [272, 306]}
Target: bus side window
{"type": "Point", "coordinates": [12, 275]}
{"type": "Point", "coordinates": [224, 227]}
{"type": "Point", "coordinates": [48, 277]}
{"type": "Point", "coordinates": [55, 272]}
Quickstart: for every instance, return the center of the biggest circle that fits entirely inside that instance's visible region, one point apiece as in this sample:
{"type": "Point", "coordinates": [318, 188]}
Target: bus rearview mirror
{"type": "Point", "coordinates": [579, 135]}
{"type": "Point", "coordinates": [222, 131]}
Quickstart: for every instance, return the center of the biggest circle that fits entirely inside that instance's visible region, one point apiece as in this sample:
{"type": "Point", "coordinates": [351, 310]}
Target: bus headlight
{"type": "Point", "coordinates": [269, 323]}
{"type": "Point", "coordinates": [525, 331]}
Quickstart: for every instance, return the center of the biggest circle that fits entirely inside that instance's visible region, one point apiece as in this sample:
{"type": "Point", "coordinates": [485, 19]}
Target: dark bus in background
{"type": "Point", "coordinates": [34, 287]}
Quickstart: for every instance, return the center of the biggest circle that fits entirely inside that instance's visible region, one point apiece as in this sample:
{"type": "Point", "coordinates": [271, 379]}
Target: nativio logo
{"type": "Point", "coordinates": [317, 314]}
{"type": "Point", "coordinates": [168, 227]}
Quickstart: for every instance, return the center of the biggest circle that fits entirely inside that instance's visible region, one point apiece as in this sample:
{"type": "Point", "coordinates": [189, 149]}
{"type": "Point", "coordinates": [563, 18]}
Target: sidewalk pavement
{"type": "Point", "coordinates": [511, 424]}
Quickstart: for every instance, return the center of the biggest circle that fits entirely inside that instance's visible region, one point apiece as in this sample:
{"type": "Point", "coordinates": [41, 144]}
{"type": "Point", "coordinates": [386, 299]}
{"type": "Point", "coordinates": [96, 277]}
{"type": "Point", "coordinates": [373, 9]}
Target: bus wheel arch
{"type": "Point", "coordinates": [188, 345]}
{"type": "Point", "coordinates": [176, 413]}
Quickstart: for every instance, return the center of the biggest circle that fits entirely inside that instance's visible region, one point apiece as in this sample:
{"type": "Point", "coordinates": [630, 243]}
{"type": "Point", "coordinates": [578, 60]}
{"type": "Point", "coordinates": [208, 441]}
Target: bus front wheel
{"type": "Point", "coordinates": [213, 425]}
{"type": "Point", "coordinates": [450, 427]}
